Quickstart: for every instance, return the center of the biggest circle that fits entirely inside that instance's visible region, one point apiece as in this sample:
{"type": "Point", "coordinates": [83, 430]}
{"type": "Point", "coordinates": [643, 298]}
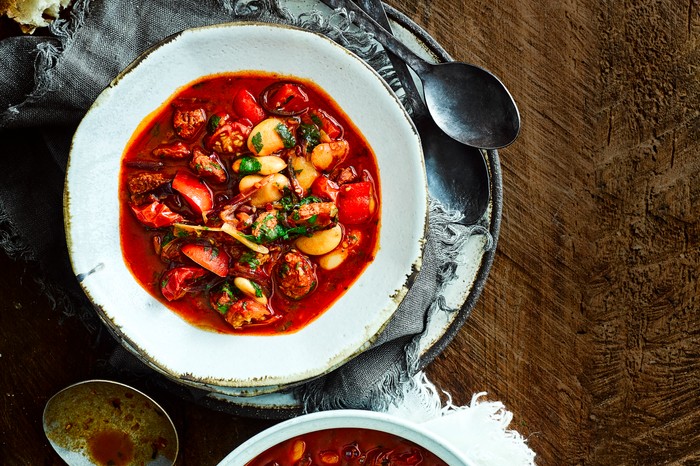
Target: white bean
{"type": "Point", "coordinates": [333, 259]}
{"type": "Point", "coordinates": [271, 192]}
{"type": "Point", "coordinates": [248, 182]}
{"type": "Point", "coordinates": [305, 171]}
{"type": "Point", "coordinates": [328, 154]}
{"type": "Point", "coordinates": [265, 139]}
{"type": "Point", "coordinates": [320, 242]}
{"type": "Point", "coordinates": [269, 164]}
{"type": "Point", "coordinates": [250, 289]}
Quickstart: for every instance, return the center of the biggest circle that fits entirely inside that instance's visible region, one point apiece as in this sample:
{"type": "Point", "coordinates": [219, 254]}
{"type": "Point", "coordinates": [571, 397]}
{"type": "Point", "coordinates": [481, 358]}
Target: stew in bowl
{"type": "Point", "coordinates": [196, 160]}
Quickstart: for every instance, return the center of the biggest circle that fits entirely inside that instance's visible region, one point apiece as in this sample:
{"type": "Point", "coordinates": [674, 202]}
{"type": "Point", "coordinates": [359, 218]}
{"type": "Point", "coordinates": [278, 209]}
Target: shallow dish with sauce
{"type": "Point", "coordinates": [250, 352]}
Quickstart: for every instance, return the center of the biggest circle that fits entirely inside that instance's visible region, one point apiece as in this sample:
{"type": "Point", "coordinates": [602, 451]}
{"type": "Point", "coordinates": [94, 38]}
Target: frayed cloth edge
{"type": "Point", "coordinates": [479, 430]}
{"type": "Point", "coordinates": [48, 55]}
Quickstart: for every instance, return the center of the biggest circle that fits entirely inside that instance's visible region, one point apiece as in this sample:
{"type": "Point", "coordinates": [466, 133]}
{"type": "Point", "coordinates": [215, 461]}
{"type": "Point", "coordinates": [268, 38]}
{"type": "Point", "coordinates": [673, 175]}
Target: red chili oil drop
{"type": "Point", "coordinates": [111, 447]}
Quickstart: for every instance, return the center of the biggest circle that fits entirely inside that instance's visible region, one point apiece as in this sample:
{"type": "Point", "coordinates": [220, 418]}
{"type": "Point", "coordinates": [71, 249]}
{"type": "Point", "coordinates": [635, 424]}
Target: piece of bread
{"type": "Point", "coordinates": [32, 14]}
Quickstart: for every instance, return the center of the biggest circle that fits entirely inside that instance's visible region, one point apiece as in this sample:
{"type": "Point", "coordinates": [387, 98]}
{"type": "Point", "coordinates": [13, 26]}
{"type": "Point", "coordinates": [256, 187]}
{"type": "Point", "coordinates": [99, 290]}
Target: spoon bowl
{"type": "Point", "coordinates": [99, 422]}
{"type": "Point", "coordinates": [457, 174]}
{"type": "Point", "coordinates": [468, 103]}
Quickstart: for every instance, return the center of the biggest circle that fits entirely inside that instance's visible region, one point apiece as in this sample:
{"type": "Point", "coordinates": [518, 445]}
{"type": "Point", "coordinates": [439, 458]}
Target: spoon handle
{"type": "Point", "coordinates": [383, 36]}
{"type": "Point", "coordinates": [375, 9]}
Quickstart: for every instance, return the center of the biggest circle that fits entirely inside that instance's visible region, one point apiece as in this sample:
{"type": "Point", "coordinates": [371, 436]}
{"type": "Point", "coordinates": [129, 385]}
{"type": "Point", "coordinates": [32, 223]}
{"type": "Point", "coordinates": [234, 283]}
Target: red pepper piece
{"type": "Point", "coordinates": [285, 99]}
{"type": "Point", "coordinates": [156, 215]}
{"type": "Point", "coordinates": [245, 106]}
{"type": "Point", "coordinates": [326, 123]}
{"type": "Point", "coordinates": [325, 188]}
{"type": "Point", "coordinates": [210, 257]}
{"type": "Point", "coordinates": [174, 283]}
{"type": "Point", "coordinates": [196, 193]}
{"type": "Point", "coordinates": [356, 203]}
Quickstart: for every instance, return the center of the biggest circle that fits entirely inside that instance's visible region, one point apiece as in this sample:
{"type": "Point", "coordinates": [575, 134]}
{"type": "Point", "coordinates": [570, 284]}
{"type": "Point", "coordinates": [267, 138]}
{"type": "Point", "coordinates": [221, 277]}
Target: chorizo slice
{"type": "Point", "coordinates": [145, 182]}
{"type": "Point", "coordinates": [296, 275]}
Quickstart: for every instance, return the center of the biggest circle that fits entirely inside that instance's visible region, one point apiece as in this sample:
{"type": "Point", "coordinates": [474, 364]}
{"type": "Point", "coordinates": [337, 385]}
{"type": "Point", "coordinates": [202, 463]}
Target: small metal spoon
{"type": "Point", "coordinates": [468, 103]}
{"type": "Point", "coordinates": [99, 422]}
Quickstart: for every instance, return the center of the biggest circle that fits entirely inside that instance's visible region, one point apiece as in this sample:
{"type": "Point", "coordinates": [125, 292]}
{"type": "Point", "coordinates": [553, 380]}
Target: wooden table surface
{"type": "Point", "coordinates": [588, 327]}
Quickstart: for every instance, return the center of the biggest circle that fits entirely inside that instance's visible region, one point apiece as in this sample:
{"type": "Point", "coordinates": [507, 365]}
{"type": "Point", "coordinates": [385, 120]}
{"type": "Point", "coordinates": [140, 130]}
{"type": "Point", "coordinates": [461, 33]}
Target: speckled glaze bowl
{"type": "Point", "coordinates": [159, 336]}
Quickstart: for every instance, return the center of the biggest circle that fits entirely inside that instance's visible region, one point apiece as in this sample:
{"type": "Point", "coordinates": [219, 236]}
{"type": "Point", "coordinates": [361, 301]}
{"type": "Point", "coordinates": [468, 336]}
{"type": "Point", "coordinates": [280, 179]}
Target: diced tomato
{"type": "Point", "coordinates": [325, 188]}
{"type": "Point", "coordinates": [195, 191]}
{"type": "Point", "coordinates": [326, 123]}
{"type": "Point", "coordinates": [228, 138]}
{"type": "Point", "coordinates": [174, 283]}
{"type": "Point", "coordinates": [356, 203]}
{"type": "Point", "coordinates": [245, 106]}
{"type": "Point", "coordinates": [286, 99]}
{"type": "Point", "coordinates": [156, 215]}
{"type": "Point", "coordinates": [208, 256]}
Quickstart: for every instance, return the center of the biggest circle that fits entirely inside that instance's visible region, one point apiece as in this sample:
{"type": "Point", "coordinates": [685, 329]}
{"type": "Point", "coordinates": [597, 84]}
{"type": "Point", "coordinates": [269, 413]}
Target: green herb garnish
{"type": "Point", "coordinates": [213, 123]}
{"type": "Point", "coordinates": [310, 134]}
{"type": "Point", "coordinates": [286, 135]}
{"type": "Point", "coordinates": [257, 142]}
{"type": "Point", "coordinates": [250, 259]}
{"type": "Point", "coordinates": [258, 290]}
{"type": "Point", "coordinates": [249, 165]}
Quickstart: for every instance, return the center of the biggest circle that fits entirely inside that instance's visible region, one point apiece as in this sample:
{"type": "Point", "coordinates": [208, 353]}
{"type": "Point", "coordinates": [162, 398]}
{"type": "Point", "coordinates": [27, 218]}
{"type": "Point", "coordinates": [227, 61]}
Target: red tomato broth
{"type": "Point", "coordinates": [347, 446]}
{"type": "Point", "coordinates": [216, 94]}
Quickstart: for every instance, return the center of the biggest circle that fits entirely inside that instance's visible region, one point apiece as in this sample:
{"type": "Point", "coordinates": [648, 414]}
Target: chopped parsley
{"type": "Point", "coordinates": [213, 252]}
{"type": "Point", "coordinates": [213, 123]}
{"type": "Point", "coordinates": [309, 200]}
{"type": "Point", "coordinates": [167, 238]}
{"type": "Point", "coordinates": [286, 135]}
{"type": "Point", "coordinates": [226, 300]}
{"type": "Point", "coordinates": [257, 142]}
{"type": "Point", "coordinates": [310, 134]}
{"type": "Point", "coordinates": [267, 229]}
{"type": "Point", "coordinates": [249, 165]}
{"type": "Point", "coordinates": [316, 120]}
{"type": "Point", "coordinates": [250, 259]}
{"type": "Point", "coordinates": [258, 289]}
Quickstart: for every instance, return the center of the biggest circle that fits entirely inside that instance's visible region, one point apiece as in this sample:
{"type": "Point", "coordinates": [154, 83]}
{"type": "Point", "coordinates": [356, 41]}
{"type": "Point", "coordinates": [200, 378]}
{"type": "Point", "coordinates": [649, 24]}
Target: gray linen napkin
{"type": "Point", "coordinates": [46, 86]}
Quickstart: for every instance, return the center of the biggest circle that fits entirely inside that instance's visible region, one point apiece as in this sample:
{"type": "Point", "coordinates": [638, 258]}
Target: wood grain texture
{"type": "Point", "coordinates": [588, 328]}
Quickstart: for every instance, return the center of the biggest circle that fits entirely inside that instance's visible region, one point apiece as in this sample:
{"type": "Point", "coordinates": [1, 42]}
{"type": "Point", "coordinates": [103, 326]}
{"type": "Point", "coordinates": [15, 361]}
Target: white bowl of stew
{"type": "Point", "coordinates": [346, 437]}
{"type": "Point", "coordinates": [245, 205]}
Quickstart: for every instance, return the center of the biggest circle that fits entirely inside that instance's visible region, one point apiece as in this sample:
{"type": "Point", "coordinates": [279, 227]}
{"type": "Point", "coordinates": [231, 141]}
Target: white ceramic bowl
{"type": "Point", "coordinates": [159, 336]}
{"type": "Point", "coordinates": [345, 419]}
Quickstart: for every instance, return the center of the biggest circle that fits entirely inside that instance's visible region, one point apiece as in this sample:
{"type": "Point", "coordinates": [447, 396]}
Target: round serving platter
{"type": "Point", "coordinates": [474, 263]}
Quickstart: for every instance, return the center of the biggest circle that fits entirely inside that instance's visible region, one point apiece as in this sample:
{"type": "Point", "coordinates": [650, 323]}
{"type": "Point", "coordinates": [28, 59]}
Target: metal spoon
{"type": "Point", "coordinates": [99, 422]}
{"type": "Point", "coordinates": [457, 174]}
{"type": "Point", "coordinates": [468, 103]}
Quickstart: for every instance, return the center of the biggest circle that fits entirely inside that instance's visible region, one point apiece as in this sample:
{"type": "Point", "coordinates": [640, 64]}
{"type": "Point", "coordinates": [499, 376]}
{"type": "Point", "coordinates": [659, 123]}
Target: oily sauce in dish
{"type": "Point", "coordinates": [249, 203]}
{"type": "Point", "coordinates": [347, 446]}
